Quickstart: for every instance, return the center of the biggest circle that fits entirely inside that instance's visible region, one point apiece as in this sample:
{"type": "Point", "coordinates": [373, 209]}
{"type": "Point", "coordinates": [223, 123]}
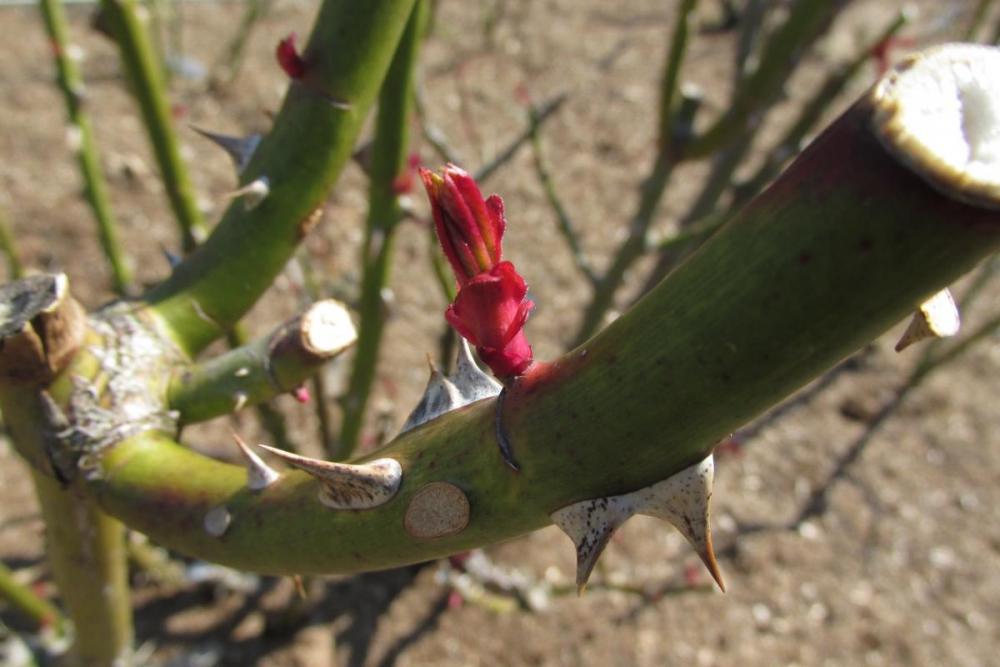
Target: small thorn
{"type": "Point", "coordinates": [240, 399]}
{"type": "Point", "coordinates": [503, 440]}
{"type": "Point", "coordinates": [239, 149]}
{"type": "Point", "coordinates": [253, 193]}
{"type": "Point", "coordinates": [259, 474]}
{"type": "Point", "coordinates": [299, 586]}
{"type": "Point", "coordinates": [472, 382]}
{"type": "Point", "coordinates": [346, 486]}
{"type": "Point", "coordinates": [343, 105]}
{"type": "Point", "coordinates": [217, 520]}
{"type": "Point", "coordinates": [935, 318]}
{"type": "Point", "coordinates": [440, 396]}
{"type": "Point", "coordinates": [173, 259]}
{"type": "Point", "coordinates": [590, 524]}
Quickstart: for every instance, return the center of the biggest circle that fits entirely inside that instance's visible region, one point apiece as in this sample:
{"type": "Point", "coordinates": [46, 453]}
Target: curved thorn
{"type": "Point", "coordinates": [346, 486]}
{"type": "Point", "coordinates": [440, 396]}
{"type": "Point", "coordinates": [259, 474]}
{"type": "Point", "coordinates": [471, 381]}
{"type": "Point", "coordinates": [590, 524]}
{"type": "Point", "coordinates": [684, 499]}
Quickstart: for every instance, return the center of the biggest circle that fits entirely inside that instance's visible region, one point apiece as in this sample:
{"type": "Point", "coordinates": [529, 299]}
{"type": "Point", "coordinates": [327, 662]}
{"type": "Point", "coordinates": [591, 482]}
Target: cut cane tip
{"type": "Point", "coordinates": [938, 112]}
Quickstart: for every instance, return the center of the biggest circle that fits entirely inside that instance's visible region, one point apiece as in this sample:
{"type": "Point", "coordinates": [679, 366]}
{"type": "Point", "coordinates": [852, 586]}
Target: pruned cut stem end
{"type": "Point", "coordinates": [939, 112]}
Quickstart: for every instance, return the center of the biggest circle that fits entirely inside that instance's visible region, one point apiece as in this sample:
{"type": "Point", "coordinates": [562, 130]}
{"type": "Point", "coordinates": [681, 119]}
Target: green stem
{"type": "Point", "coordinates": [672, 128]}
{"type": "Point", "coordinates": [845, 244]}
{"type": "Point", "coordinates": [669, 84]}
{"type": "Point", "coordinates": [95, 189]}
{"type": "Point", "coordinates": [257, 372]}
{"type": "Point", "coordinates": [229, 64]}
{"type": "Point", "coordinates": [86, 550]}
{"type": "Point", "coordinates": [389, 161]}
{"type": "Point", "coordinates": [40, 611]}
{"type": "Point", "coordinates": [146, 76]}
{"type": "Point", "coordinates": [811, 113]}
{"type": "Point", "coordinates": [731, 135]}
{"type": "Point", "coordinates": [8, 246]}
{"type": "Point", "coordinates": [781, 54]}
{"type": "Point", "coordinates": [311, 141]}
{"type": "Point", "coordinates": [270, 418]}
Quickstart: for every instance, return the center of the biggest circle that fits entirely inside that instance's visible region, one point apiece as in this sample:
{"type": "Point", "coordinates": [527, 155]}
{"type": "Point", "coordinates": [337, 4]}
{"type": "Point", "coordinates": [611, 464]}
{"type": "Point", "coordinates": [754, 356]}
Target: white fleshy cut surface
{"type": "Point", "coordinates": [941, 113]}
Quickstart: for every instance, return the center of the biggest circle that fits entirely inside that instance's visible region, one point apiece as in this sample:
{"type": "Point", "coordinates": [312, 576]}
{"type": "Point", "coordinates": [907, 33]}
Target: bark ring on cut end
{"type": "Point", "coordinates": [939, 112]}
{"type": "Point", "coordinates": [41, 327]}
{"type": "Point", "coordinates": [437, 510]}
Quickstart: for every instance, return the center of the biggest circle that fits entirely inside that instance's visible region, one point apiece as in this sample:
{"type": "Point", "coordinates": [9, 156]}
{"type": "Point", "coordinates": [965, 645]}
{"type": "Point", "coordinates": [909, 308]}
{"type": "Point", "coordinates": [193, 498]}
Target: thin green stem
{"type": "Point", "coordinates": [811, 113]}
{"type": "Point", "coordinates": [95, 189]}
{"type": "Point", "coordinates": [669, 84]}
{"type": "Point", "coordinates": [270, 418]}
{"type": "Point", "coordinates": [257, 372]}
{"type": "Point", "coordinates": [389, 161]}
{"type": "Point", "coordinates": [673, 126]}
{"type": "Point", "coordinates": [229, 63]}
{"type": "Point", "coordinates": [86, 550]}
{"type": "Point", "coordinates": [311, 141]}
{"type": "Point", "coordinates": [780, 55]}
{"type": "Point", "coordinates": [146, 77]}
{"type": "Point", "coordinates": [731, 137]}
{"type": "Point", "coordinates": [321, 394]}
{"type": "Point", "coordinates": [42, 613]}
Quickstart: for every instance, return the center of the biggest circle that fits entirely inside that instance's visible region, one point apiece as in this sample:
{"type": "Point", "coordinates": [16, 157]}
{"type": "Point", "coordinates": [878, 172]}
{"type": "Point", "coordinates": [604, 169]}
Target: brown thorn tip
{"type": "Point", "coordinates": [708, 558]}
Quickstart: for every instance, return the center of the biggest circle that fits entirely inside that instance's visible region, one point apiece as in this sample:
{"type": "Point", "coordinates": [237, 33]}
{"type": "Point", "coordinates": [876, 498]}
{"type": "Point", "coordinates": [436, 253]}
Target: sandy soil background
{"type": "Point", "coordinates": [899, 565]}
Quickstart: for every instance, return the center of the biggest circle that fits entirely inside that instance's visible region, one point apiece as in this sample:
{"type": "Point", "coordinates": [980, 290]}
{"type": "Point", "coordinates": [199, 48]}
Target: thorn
{"type": "Point", "coordinates": [299, 587]}
{"type": "Point", "coordinates": [239, 149]}
{"type": "Point", "coordinates": [590, 524]}
{"type": "Point", "coordinates": [346, 486]}
{"type": "Point", "coordinates": [471, 381]}
{"type": "Point", "coordinates": [259, 474]}
{"type": "Point", "coordinates": [240, 399]}
{"type": "Point", "coordinates": [217, 520]}
{"type": "Point", "coordinates": [937, 317]}
{"type": "Point", "coordinates": [503, 440]}
{"type": "Point", "coordinates": [684, 499]}
{"type": "Point", "coordinates": [172, 258]}
{"type": "Point", "coordinates": [440, 396]}
{"type": "Point", "coordinates": [253, 193]}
